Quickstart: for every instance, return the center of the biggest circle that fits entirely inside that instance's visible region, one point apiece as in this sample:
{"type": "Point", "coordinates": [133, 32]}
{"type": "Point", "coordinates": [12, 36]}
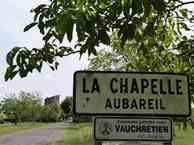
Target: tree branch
{"type": "Point", "coordinates": [73, 52]}
{"type": "Point", "coordinates": [182, 4]}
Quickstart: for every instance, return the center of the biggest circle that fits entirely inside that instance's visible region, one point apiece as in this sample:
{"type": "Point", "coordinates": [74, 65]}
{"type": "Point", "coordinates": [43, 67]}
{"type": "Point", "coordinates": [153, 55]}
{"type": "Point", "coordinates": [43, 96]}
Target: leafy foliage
{"type": "Point", "coordinates": [67, 105]}
{"type": "Point", "coordinates": [130, 59]}
{"type": "Point", "coordinates": [160, 23]}
{"type": "Point", "coordinates": [2, 117]}
{"type": "Point", "coordinates": [27, 107]}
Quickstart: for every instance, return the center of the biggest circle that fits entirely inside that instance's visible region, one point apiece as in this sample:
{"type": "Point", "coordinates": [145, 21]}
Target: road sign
{"type": "Point", "coordinates": [132, 129]}
{"type": "Point", "coordinates": [131, 93]}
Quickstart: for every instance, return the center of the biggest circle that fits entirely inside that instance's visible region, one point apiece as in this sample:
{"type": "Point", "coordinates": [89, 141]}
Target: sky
{"type": "Point", "coordinates": [15, 15]}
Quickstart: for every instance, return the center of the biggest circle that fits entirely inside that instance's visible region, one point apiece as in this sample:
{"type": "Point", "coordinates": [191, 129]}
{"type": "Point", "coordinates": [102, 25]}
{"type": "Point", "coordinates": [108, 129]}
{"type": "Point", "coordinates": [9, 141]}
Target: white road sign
{"type": "Point", "coordinates": [132, 129]}
{"type": "Point", "coordinates": [131, 93]}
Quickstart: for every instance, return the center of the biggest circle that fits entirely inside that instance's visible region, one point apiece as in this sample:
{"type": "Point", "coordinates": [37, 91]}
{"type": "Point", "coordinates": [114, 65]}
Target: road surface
{"type": "Point", "coordinates": [37, 136]}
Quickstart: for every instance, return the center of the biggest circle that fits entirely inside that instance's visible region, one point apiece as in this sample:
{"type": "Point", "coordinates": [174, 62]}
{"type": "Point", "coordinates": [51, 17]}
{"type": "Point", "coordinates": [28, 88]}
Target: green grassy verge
{"type": "Point", "coordinates": [81, 134]}
{"type": "Point", "coordinates": [182, 137]}
{"type": "Point", "coordinates": [77, 134]}
{"type": "Point", "coordinates": [10, 128]}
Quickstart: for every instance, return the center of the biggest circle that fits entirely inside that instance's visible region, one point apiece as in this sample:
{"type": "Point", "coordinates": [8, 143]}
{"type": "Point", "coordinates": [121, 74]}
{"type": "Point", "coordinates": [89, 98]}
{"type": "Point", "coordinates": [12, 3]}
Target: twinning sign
{"type": "Point", "coordinates": [134, 129]}
{"type": "Point", "coordinates": [131, 93]}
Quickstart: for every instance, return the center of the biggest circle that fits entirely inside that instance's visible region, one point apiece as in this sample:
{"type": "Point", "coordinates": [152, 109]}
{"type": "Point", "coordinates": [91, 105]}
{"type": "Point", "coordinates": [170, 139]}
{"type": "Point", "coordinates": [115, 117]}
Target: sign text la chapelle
{"type": "Point", "coordinates": [131, 93]}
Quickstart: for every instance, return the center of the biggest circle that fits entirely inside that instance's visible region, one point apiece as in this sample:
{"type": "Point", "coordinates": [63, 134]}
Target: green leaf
{"type": "Point", "coordinates": [80, 33]}
{"type": "Point", "coordinates": [91, 50]}
{"type": "Point", "coordinates": [134, 7]}
{"type": "Point", "coordinates": [38, 8]}
{"type": "Point", "coordinates": [184, 12]}
{"type": "Point", "coordinates": [23, 73]}
{"type": "Point", "coordinates": [127, 4]}
{"type": "Point", "coordinates": [13, 74]}
{"type": "Point", "coordinates": [7, 74]}
{"type": "Point", "coordinates": [178, 28]}
{"type": "Point", "coordinates": [39, 67]}
{"type": "Point", "coordinates": [56, 65]}
{"type": "Point", "coordinates": [103, 36]}
{"type": "Point", "coordinates": [83, 49]}
{"type": "Point", "coordinates": [137, 7]}
{"type": "Point", "coordinates": [10, 56]}
{"type": "Point", "coordinates": [41, 24]}
{"type": "Point", "coordinates": [30, 26]}
{"type": "Point", "coordinates": [140, 7]}
{"type": "Point", "coordinates": [69, 28]}
{"type": "Point", "coordinates": [60, 27]}
{"type": "Point", "coordinates": [147, 8]}
{"type": "Point", "coordinates": [53, 68]}
{"type": "Point", "coordinates": [19, 60]}
{"type": "Point", "coordinates": [10, 73]}
{"type": "Point", "coordinates": [159, 5]}
{"type": "Point", "coordinates": [127, 32]}
{"type": "Point", "coordinates": [184, 26]}
{"type": "Point", "coordinates": [47, 36]}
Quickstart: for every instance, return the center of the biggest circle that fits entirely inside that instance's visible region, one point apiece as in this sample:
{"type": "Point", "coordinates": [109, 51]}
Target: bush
{"type": "Point", "coordinates": [2, 118]}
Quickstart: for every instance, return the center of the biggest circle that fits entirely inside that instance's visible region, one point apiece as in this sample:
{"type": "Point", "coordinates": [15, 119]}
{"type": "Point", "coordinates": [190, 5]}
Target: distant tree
{"type": "Point", "coordinates": [29, 104]}
{"type": "Point", "coordinates": [67, 105]}
{"type": "Point", "coordinates": [22, 107]}
{"type": "Point", "coordinates": [44, 114]}
{"type": "Point", "coordinates": [128, 58]}
{"type": "Point", "coordinates": [54, 113]}
{"type": "Point", "coordinates": [2, 117]}
{"type": "Point", "coordinates": [27, 107]}
{"type": "Point", "coordinates": [50, 113]}
{"type": "Point", "coordinates": [10, 108]}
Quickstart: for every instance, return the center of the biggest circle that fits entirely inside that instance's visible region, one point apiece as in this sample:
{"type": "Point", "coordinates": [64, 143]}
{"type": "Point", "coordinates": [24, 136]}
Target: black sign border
{"type": "Point", "coordinates": [139, 117]}
{"type": "Point", "coordinates": [130, 114]}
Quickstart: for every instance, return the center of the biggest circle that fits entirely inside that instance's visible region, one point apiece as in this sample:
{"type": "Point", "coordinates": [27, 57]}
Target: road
{"type": "Point", "coordinates": [37, 136]}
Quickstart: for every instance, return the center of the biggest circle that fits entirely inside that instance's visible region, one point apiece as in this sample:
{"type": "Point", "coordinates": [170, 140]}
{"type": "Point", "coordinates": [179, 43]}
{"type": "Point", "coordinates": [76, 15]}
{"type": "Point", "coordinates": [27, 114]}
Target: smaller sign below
{"type": "Point", "coordinates": [132, 129]}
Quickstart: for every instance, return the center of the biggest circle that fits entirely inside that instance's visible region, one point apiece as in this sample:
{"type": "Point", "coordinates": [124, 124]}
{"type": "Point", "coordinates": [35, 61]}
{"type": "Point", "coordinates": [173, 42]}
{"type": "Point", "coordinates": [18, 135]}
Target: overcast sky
{"type": "Point", "coordinates": [15, 14]}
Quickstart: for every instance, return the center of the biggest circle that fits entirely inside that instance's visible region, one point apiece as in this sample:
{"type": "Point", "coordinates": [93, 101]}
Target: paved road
{"type": "Point", "coordinates": [37, 136]}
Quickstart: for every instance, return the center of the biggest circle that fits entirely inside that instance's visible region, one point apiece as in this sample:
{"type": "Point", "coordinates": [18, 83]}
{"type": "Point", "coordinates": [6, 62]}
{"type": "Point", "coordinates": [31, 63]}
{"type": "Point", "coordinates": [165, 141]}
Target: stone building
{"type": "Point", "coordinates": [54, 100]}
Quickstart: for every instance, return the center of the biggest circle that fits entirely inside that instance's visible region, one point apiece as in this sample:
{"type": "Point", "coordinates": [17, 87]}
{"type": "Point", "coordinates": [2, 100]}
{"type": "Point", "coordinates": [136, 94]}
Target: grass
{"type": "Point", "coordinates": [81, 134]}
{"type": "Point", "coordinates": [77, 134]}
{"type": "Point", "coordinates": [10, 128]}
{"type": "Point", "coordinates": [182, 137]}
